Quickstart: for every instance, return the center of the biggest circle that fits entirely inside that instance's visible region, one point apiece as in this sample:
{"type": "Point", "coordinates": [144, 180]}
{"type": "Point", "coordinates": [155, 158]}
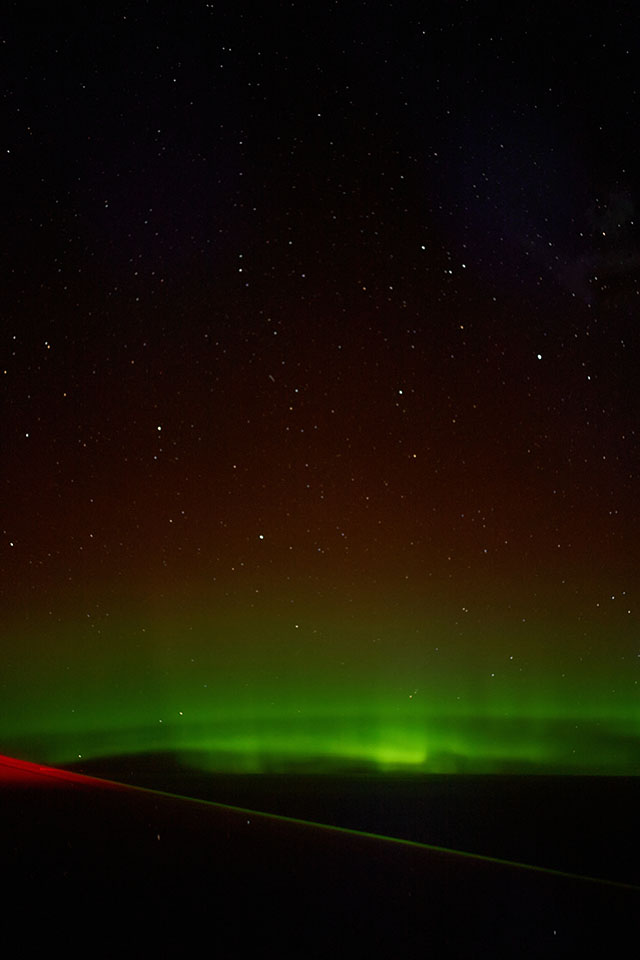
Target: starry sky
{"type": "Point", "coordinates": [319, 406]}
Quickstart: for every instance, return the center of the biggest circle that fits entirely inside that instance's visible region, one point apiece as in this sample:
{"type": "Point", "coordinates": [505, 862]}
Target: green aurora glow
{"type": "Point", "coordinates": [240, 694]}
{"type": "Point", "coordinates": [319, 390]}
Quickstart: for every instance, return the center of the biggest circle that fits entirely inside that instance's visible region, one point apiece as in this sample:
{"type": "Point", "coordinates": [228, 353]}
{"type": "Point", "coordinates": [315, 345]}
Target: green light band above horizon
{"type": "Point", "coordinates": [248, 694]}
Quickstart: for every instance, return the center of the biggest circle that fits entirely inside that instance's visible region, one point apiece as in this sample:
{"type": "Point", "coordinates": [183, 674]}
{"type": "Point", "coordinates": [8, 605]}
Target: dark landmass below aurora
{"type": "Point", "coordinates": [122, 864]}
{"type": "Point", "coordinates": [583, 825]}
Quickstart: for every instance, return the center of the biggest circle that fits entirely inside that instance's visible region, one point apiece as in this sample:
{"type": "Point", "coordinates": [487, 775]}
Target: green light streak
{"type": "Point", "coordinates": [239, 694]}
{"type": "Point", "coordinates": [326, 743]}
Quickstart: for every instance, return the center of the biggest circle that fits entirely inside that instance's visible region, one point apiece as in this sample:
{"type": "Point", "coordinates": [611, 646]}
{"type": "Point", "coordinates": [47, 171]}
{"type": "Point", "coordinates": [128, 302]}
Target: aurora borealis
{"type": "Point", "coordinates": [238, 692]}
{"type": "Point", "coordinates": [319, 411]}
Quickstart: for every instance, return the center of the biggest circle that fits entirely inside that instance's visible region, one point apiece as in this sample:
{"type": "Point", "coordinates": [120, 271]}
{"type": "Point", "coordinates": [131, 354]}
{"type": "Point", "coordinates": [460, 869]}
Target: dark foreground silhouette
{"type": "Point", "coordinates": [90, 863]}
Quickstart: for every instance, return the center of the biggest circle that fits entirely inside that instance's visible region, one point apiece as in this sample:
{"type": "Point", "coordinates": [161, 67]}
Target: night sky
{"type": "Point", "coordinates": [320, 385]}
